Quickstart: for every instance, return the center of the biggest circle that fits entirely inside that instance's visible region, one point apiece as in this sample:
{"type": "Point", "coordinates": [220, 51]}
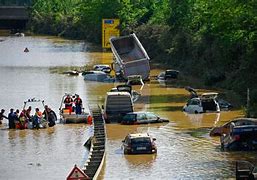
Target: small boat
{"type": "Point", "coordinates": [240, 138]}
{"type": "Point", "coordinates": [70, 116]}
{"type": "Point", "coordinates": [28, 123]}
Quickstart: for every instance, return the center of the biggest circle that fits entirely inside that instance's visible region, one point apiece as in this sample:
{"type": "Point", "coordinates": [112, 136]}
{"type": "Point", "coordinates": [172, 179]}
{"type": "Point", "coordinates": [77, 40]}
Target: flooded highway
{"type": "Point", "coordinates": [185, 149]}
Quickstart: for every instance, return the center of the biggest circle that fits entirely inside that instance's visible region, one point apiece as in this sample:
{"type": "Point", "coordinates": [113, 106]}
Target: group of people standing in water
{"type": "Point", "coordinates": [24, 119]}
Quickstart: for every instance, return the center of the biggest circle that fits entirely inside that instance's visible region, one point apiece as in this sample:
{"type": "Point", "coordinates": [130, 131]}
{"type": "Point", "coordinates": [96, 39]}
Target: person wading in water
{"type": "Point", "coordinates": [2, 116]}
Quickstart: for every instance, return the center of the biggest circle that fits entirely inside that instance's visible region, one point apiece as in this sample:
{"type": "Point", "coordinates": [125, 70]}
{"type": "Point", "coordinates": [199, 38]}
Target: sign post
{"type": "Point", "coordinates": [110, 28]}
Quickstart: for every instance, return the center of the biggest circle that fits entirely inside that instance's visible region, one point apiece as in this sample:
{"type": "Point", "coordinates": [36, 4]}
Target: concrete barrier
{"type": "Point", "coordinates": [96, 156]}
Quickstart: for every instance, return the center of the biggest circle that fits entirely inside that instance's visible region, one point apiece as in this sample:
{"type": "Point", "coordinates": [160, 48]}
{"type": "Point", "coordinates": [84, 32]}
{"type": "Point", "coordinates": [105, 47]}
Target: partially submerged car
{"type": "Point", "coordinates": [102, 67]}
{"type": "Point", "coordinates": [168, 75]}
{"type": "Point", "coordinates": [135, 80]}
{"type": "Point", "coordinates": [225, 128]}
{"type": "Point", "coordinates": [116, 105]}
{"type": "Point", "coordinates": [127, 88]}
{"type": "Point", "coordinates": [142, 118]}
{"type": "Point", "coordinates": [224, 105]}
{"type": "Point", "coordinates": [139, 143]}
{"type": "Point", "coordinates": [240, 138]}
{"type": "Point", "coordinates": [97, 76]}
{"type": "Point", "coordinates": [205, 103]}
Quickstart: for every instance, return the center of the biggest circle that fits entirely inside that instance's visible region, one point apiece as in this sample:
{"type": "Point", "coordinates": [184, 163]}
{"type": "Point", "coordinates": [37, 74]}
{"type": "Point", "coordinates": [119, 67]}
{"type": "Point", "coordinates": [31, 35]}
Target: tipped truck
{"type": "Point", "coordinates": [130, 57]}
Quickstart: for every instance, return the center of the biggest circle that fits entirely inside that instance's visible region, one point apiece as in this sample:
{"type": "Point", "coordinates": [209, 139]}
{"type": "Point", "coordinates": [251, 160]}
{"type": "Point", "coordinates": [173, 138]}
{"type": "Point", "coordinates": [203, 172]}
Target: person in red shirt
{"type": "Point", "coordinates": [68, 103]}
{"type": "Point", "coordinates": [78, 104]}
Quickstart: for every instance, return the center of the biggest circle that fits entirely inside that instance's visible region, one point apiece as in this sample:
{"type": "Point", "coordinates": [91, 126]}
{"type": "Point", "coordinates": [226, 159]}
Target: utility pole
{"type": "Point", "coordinates": [248, 102]}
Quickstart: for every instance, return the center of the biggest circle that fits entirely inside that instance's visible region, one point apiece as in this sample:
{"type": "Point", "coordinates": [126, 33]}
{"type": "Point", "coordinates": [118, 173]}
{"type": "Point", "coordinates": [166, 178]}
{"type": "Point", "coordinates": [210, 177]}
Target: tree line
{"type": "Point", "coordinates": [215, 41]}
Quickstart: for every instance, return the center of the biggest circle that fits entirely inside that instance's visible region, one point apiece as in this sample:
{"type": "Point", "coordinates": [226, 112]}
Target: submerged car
{"type": "Point", "coordinates": [97, 76]}
{"type": "Point", "coordinates": [116, 105]}
{"type": "Point", "coordinates": [205, 103]}
{"type": "Point", "coordinates": [135, 80]}
{"type": "Point", "coordinates": [139, 143]}
{"type": "Point", "coordinates": [127, 88]}
{"type": "Point", "coordinates": [168, 74]}
{"type": "Point", "coordinates": [142, 118]}
{"type": "Point", "coordinates": [225, 128]}
{"type": "Point", "coordinates": [224, 105]}
{"type": "Point", "coordinates": [102, 67]}
{"type": "Point", "coordinates": [240, 138]}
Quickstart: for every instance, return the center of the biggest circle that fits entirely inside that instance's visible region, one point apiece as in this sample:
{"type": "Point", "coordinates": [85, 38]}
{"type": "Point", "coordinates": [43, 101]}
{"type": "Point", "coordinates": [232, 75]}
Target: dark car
{"type": "Point", "coordinates": [139, 143]}
{"type": "Point", "coordinates": [224, 105]}
{"type": "Point", "coordinates": [142, 118]}
{"type": "Point", "coordinates": [168, 74]}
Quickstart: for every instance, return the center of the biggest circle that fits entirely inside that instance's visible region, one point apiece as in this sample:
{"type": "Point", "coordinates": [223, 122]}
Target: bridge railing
{"type": "Point", "coordinates": [15, 2]}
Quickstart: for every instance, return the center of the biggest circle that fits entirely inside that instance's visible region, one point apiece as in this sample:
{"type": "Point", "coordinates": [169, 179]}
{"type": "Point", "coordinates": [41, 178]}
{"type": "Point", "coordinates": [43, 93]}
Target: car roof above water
{"type": "Point", "coordinates": [209, 95]}
{"type": "Point", "coordinates": [138, 135]}
{"type": "Point", "coordinates": [118, 93]}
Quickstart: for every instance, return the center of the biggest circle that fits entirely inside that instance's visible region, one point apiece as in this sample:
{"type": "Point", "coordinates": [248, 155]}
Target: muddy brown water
{"type": "Point", "coordinates": [185, 150]}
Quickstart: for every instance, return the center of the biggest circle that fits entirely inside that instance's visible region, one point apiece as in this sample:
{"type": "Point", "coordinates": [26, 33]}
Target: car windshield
{"type": "Point", "coordinates": [141, 140]}
{"type": "Point", "coordinates": [129, 117]}
{"type": "Point", "coordinates": [193, 102]}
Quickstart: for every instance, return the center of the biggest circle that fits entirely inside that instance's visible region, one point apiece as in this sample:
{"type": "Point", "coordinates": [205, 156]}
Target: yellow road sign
{"type": "Point", "coordinates": [110, 28]}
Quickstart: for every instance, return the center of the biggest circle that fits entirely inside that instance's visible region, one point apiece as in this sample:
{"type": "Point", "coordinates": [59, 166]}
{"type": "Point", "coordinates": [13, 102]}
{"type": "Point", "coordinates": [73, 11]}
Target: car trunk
{"type": "Point", "coordinates": [209, 105]}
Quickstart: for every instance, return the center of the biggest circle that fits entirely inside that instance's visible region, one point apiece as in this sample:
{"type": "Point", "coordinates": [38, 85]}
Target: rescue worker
{"type": "Point", "coordinates": [2, 116]}
{"type": "Point", "coordinates": [68, 103]}
{"type": "Point", "coordinates": [11, 118]}
{"type": "Point", "coordinates": [78, 104]}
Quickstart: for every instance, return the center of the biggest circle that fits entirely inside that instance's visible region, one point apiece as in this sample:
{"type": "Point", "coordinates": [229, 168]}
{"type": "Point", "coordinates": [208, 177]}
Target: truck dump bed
{"type": "Point", "coordinates": [130, 57]}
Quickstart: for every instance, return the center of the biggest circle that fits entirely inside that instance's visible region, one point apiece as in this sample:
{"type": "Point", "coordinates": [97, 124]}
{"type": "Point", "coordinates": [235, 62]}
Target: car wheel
{"type": "Point", "coordinates": [196, 112]}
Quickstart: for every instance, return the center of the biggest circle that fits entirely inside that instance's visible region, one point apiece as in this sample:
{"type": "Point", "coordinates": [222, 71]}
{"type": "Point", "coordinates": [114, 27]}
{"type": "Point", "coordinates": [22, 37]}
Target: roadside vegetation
{"type": "Point", "coordinates": [215, 41]}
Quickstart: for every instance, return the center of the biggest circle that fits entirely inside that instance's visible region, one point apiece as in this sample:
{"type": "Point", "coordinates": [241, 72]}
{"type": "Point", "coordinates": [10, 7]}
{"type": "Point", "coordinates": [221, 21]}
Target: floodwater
{"type": "Point", "coordinates": [185, 150]}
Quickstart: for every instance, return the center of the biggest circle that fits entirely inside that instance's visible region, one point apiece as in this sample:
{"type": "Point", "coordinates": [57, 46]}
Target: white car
{"type": "Point", "coordinates": [102, 67]}
{"type": "Point", "coordinates": [207, 102]}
